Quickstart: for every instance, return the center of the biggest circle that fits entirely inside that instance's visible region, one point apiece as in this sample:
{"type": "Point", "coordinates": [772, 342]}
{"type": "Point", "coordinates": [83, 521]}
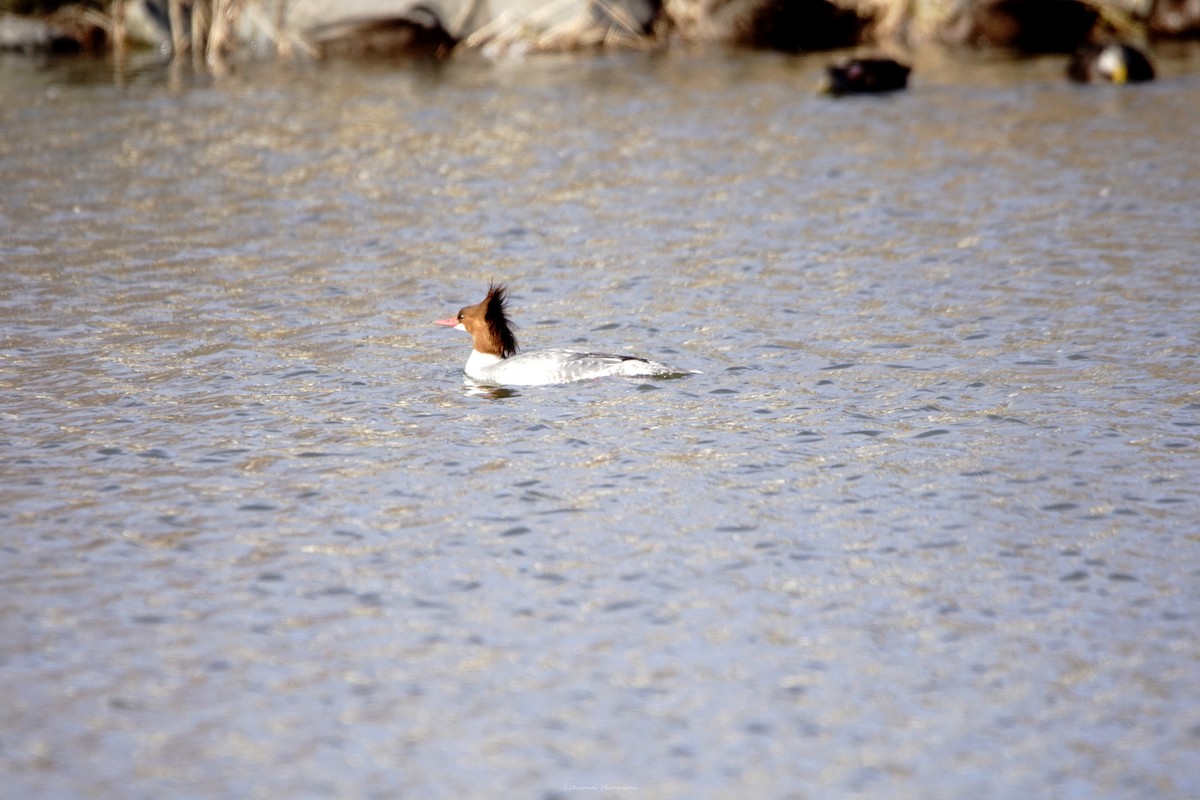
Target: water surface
{"type": "Point", "coordinates": [924, 527]}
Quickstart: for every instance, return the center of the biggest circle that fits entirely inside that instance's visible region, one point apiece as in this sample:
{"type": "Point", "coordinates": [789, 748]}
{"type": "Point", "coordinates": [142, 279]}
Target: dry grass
{"type": "Point", "coordinates": [205, 30]}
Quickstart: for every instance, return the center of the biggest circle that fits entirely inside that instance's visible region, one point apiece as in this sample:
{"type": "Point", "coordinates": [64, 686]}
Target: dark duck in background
{"type": "Point", "coordinates": [866, 76]}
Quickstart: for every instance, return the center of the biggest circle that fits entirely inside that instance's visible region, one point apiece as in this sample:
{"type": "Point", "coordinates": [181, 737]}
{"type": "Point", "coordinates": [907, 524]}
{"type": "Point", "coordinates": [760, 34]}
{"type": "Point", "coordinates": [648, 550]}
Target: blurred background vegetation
{"type": "Point", "coordinates": [214, 28]}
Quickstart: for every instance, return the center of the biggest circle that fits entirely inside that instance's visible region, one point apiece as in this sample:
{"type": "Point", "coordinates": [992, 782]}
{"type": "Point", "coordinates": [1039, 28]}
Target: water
{"type": "Point", "coordinates": [924, 527]}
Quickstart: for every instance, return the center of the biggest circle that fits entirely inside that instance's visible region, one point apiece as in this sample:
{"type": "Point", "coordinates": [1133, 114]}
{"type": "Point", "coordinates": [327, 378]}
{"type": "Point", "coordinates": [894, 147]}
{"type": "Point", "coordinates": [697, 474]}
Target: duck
{"type": "Point", "coordinates": [866, 76]}
{"type": "Point", "coordinates": [1115, 62]}
{"type": "Point", "coordinates": [495, 359]}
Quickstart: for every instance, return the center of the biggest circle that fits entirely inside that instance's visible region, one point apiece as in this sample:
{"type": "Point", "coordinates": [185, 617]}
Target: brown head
{"type": "Point", "coordinates": [487, 322]}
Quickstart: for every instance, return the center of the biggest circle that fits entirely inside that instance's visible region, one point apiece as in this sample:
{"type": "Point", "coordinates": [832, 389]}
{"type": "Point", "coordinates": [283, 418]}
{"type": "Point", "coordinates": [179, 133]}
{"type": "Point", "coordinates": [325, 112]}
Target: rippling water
{"type": "Point", "coordinates": [924, 527]}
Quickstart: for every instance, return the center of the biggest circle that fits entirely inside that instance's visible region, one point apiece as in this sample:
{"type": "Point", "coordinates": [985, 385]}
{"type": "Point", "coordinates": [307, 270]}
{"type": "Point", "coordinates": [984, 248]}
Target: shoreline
{"type": "Point", "coordinates": [210, 32]}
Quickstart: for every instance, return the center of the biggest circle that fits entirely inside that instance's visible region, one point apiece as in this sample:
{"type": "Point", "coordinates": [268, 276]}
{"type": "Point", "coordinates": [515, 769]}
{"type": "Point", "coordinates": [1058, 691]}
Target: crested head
{"type": "Point", "coordinates": [495, 316]}
{"type": "Point", "coordinates": [487, 322]}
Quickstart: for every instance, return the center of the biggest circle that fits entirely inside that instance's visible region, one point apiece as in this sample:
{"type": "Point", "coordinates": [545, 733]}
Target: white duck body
{"type": "Point", "coordinates": [494, 358]}
{"type": "Point", "coordinates": [559, 366]}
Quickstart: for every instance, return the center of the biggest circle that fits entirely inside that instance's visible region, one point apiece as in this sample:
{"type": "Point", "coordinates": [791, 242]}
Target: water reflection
{"type": "Point", "coordinates": [489, 391]}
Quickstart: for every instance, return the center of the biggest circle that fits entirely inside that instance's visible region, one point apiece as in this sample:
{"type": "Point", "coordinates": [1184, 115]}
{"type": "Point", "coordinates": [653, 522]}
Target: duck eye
{"type": "Point", "coordinates": [460, 316]}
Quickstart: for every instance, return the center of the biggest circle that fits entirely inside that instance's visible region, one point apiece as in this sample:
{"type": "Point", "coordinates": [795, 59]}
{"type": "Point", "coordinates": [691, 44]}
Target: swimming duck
{"type": "Point", "coordinates": [867, 76]}
{"type": "Point", "coordinates": [1109, 63]}
{"type": "Point", "coordinates": [494, 358]}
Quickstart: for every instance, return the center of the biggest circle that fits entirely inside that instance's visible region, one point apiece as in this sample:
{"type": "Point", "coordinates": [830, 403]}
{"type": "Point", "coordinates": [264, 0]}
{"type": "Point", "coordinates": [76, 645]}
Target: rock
{"type": "Point", "coordinates": [28, 35]}
{"type": "Point", "coordinates": [147, 23]}
{"type": "Point", "coordinates": [413, 36]}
